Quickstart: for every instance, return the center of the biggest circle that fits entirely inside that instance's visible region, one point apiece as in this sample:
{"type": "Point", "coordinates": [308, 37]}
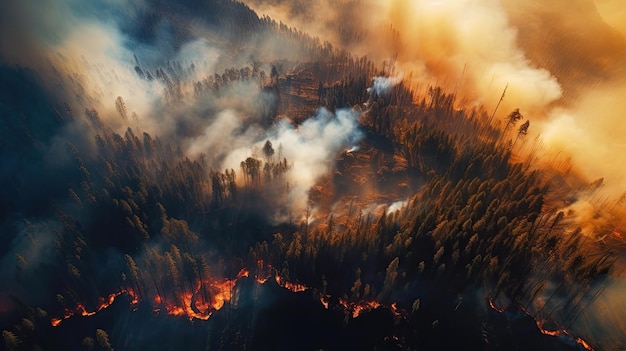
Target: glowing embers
{"type": "Point", "coordinates": [494, 307]}
{"type": "Point", "coordinates": [563, 332]}
{"type": "Point", "coordinates": [324, 300]}
{"type": "Point", "coordinates": [294, 287]}
{"type": "Point", "coordinates": [356, 308]}
{"type": "Point", "coordinates": [103, 303]}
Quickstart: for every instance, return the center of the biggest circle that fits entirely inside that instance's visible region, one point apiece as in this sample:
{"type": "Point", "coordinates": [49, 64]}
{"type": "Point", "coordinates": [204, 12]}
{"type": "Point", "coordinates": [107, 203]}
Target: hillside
{"type": "Point", "coordinates": [208, 178]}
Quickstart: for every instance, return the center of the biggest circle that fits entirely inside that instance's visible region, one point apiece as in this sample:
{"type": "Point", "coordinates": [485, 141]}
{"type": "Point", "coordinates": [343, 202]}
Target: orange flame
{"type": "Point", "coordinates": [493, 306]}
{"type": "Point", "coordinates": [324, 301]}
{"type": "Point", "coordinates": [102, 304]}
{"type": "Point", "coordinates": [359, 307]}
{"type": "Point", "coordinates": [545, 331]}
{"type": "Point", "coordinates": [294, 287]}
{"type": "Point", "coordinates": [56, 321]}
{"type": "Point", "coordinates": [197, 305]}
{"type": "Point", "coordinates": [584, 344]}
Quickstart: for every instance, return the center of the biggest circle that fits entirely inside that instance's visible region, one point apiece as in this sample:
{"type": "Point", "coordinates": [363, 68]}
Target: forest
{"type": "Point", "coordinates": [303, 198]}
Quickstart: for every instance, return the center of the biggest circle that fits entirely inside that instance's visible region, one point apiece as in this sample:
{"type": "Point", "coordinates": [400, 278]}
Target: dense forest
{"type": "Point", "coordinates": [427, 227]}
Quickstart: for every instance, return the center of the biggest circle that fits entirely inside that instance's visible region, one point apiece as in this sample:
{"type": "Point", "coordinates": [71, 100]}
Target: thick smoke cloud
{"type": "Point", "coordinates": [88, 55]}
{"type": "Point", "coordinates": [560, 61]}
{"type": "Point", "coordinates": [310, 149]}
{"type": "Point", "coordinates": [468, 46]}
{"type": "Point", "coordinates": [383, 85]}
{"type": "Point", "coordinates": [564, 76]}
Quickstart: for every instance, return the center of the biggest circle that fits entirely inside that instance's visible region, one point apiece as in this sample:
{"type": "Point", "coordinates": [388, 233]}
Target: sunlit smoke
{"type": "Point", "coordinates": [397, 206]}
{"type": "Point", "coordinates": [383, 85]}
{"type": "Point", "coordinates": [311, 148]}
{"type": "Point", "coordinates": [567, 81]}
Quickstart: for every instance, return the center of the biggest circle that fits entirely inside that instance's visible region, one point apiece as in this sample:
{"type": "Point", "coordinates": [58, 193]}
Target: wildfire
{"type": "Point", "coordinates": [207, 296]}
{"type": "Point", "coordinates": [494, 307]}
{"type": "Point", "coordinates": [324, 301]}
{"type": "Point", "coordinates": [544, 331]}
{"type": "Point", "coordinates": [56, 321]}
{"type": "Point", "coordinates": [294, 287]}
{"type": "Point", "coordinates": [359, 307]}
{"type": "Point", "coordinates": [103, 303]}
{"type": "Point", "coordinates": [584, 344]}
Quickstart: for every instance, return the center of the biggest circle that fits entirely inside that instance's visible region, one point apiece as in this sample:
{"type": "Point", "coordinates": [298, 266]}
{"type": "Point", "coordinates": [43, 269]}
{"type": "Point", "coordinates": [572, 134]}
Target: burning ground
{"type": "Point", "coordinates": [194, 176]}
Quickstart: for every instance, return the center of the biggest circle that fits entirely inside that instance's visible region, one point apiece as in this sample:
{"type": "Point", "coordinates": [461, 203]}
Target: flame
{"type": "Point", "coordinates": [584, 344]}
{"type": "Point", "coordinates": [210, 295]}
{"type": "Point", "coordinates": [262, 280]}
{"type": "Point", "coordinates": [493, 306]}
{"type": "Point", "coordinates": [544, 331]}
{"type": "Point", "coordinates": [264, 272]}
{"type": "Point", "coordinates": [102, 304]}
{"type": "Point", "coordinates": [324, 301]}
{"type": "Point", "coordinates": [359, 307]}
{"type": "Point", "coordinates": [294, 287]}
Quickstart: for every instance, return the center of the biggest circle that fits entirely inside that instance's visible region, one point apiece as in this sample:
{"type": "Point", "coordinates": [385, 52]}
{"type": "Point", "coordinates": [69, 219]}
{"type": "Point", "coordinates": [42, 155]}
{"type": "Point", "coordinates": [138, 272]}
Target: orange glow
{"type": "Point", "coordinates": [102, 304]}
{"type": "Point", "coordinates": [493, 306]}
{"type": "Point", "coordinates": [208, 296]}
{"type": "Point", "coordinates": [397, 312]}
{"type": "Point", "coordinates": [243, 273]}
{"type": "Point", "coordinates": [324, 301]}
{"type": "Point", "coordinates": [56, 321]}
{"type": "Point", "coordinates": [294, 287]}
{"type": "Point", "coordinates": [545, 331]}
{"type": "Point", "coordinates": [364, 306]}
{"type": "Point", "coordinates": [584, 344]}
{"type": "Point", "coordinates": [262, 280]}
{"type": "Point", "coordinates": [212, 294]}
{"type": "Point", "coordinates": [359, 307]}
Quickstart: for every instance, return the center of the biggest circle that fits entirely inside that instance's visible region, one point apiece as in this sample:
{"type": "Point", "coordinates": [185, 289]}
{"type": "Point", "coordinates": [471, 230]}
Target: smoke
{"type": "Point", "coordinates": [383, 85]}
{"type": "Point", "coordinates": [567, 78]}
{"type": "Point", "coordinates": [25, 254]}
{"type": "Point", "coordinates": [309, 148]}
{"type": "Point", "coordinates": [592, 133]}
{"type": "Point", "coordinates": [613, 12]}
{"type": "Point", "coordinates": [464, 45]}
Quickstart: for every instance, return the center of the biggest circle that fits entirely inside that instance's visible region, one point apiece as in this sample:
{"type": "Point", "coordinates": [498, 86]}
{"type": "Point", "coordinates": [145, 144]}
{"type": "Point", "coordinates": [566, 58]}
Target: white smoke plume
{"type": "Point", "coordinates": [567, 78]}
{"type": "Point", "coordinates": [310, 149]}
{"type": "Point", "coordinates": [383, 85]}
